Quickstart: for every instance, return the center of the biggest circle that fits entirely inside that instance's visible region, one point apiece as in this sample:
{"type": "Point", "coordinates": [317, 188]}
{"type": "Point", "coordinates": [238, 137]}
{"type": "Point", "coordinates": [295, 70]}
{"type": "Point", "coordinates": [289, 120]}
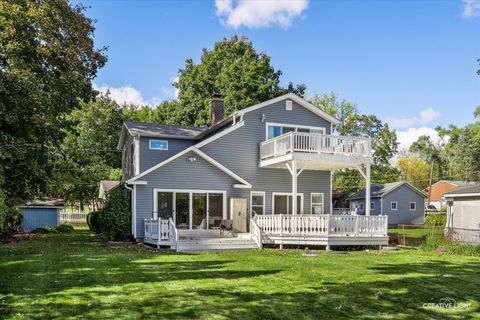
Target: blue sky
{"type": "Point", "coordinates": [411, 63]}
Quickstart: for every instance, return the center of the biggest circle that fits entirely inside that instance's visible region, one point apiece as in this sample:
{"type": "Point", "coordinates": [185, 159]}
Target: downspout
{"type": "Point", "coordinates": [134, 208]}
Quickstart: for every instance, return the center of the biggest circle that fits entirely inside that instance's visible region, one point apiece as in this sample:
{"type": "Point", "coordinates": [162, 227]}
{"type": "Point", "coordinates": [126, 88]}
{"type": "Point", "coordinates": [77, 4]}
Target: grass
{"type": "Point", "coordinates": [75, 275]}
{"type": "Point", "coordinates": [416, 235]}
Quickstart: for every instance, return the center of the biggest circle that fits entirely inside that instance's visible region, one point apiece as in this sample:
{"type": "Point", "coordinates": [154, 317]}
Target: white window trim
{"type": "Point", "coordinates": [396, 205]}
{"type": "Point", "coordinates": [292, 126]}
{"type": "Point", "coordinates": [312, 194]}
{"type": "Point", "coordinates": [286, 194]}
{"type": "Point", "coordinates": [256, 193]}
{"type": "Point", "coordinates": [414, 206]}
{"type": "Point", "coordinates": [150, 144]}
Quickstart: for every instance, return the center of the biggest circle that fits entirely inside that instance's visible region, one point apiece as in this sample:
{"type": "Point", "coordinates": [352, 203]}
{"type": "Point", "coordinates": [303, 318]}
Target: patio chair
{"type": "Point", "coordinates": [226, 225]}
{"type": "Point", "coordinates": [217, 223]}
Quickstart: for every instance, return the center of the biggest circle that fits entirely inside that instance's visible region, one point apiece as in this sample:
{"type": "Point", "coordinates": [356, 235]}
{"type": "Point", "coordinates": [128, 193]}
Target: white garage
{"type": "Point", "coordinates": [463, 213]}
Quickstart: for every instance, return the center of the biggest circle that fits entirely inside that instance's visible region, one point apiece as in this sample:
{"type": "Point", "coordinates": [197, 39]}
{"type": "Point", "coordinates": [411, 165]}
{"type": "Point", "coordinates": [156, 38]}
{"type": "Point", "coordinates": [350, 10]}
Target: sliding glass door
{"type": "Point", "coordinates": [182, 210]}
{"type": "Point", "coordinates": [191, 209]}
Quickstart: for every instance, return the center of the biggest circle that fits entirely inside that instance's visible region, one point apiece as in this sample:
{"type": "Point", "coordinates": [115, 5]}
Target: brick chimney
{"type": "Point", "coordinates": [216, 109]}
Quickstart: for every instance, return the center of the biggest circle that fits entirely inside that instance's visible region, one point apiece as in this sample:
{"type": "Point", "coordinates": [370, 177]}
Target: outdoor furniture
{"type": "Point", "coordinates": [216, 224]}
{"type": "Point", "coordinates": [226, 225]}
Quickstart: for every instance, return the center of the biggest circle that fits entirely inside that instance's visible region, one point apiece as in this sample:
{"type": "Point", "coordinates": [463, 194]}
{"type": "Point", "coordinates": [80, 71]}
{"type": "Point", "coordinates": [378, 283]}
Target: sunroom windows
{"type": "Point", "coordinates": [282, 203]}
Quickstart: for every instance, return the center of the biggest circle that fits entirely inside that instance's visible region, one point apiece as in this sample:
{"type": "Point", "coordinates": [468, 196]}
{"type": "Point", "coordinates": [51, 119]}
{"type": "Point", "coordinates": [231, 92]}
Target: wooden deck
{"type": "Point", "coordinates": [306, 229]}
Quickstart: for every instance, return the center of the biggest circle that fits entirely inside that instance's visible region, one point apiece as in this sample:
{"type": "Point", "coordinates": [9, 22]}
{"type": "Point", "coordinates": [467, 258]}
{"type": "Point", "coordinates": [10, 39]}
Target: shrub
{"type": "Point", "coordinates": [64, 228]}
{"type": "Point", "coordinates": [93, 221]}
{"type": "Point", "coordinates": [12, 219]}
{"type": "Point", "coordinates": [436, 220]}
{"type": "Point", "coordinates": [115, 216]}
{"type": "Point", "coordinates": [434, 242]}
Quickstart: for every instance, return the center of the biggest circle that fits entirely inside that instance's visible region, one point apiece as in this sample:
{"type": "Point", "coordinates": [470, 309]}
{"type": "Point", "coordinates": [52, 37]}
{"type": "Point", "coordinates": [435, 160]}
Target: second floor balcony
{"type": "Point", "coordinates": [316, 151]}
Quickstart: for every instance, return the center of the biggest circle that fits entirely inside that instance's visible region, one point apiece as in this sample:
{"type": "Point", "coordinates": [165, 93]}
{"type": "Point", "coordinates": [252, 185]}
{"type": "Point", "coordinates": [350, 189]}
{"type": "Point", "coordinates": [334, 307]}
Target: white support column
{"type": "Point", "coordinates": [294, 186]}
{"type": "Point", "coordinates": [367, 190]}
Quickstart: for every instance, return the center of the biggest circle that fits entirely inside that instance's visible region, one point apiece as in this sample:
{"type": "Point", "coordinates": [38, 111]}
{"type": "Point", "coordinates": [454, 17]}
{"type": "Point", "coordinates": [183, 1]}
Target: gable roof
{"type": "Point", "coordinates": [304, 103]}
{"type": "Point", "coordinates": [243, 182]}
{"type": "Point", "coordinates": [198, 133]}
{"type": "Point", "coordinates": [161, 130]}
{"type": "Point", "coordinates": [105, 186]}
{"type": "Point", "coordinates": [465, 190]}
{"type": "Point", "coordinates": [380, 190]}
{"type": "Point", "coordinates": [44, 203]}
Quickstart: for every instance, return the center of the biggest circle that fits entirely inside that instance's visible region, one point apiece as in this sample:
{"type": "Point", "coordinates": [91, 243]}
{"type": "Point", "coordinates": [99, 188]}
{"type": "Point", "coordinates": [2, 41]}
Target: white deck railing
{"type": "Point", "coordinates": [256, 233]}
{"type": "Point", "coordinates": [322, 225]}
{"type": "Point", "coordinates": [315, 143]}
{"type": "Point", "coordinates": [158, 230]}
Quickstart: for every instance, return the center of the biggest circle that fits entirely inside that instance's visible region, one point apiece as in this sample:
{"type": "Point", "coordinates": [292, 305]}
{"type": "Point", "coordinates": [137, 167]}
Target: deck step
{"type": "Point", "coordinates": [206, 244]}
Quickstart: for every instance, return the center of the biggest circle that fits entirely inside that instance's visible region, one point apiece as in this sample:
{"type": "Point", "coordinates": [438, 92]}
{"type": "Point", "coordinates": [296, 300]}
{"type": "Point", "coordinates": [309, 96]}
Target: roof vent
{"type": "Point", "coordinates": [289, 105]}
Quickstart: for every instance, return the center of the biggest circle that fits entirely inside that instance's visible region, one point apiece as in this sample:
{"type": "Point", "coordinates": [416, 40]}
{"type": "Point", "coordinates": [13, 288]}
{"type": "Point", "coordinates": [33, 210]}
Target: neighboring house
{"type": "Point", "coordinates": [245, 169]}
{"type": "Point", "coordinates": [400, 201]}
{"type": "Point", "coordinates": [439, 189]}
{"type": "Point", "coordinates": [41, 213]}
{"type": "Point", "coordinates": [463, 213]}
{"type": "Point", "coordinates": [105, 186]}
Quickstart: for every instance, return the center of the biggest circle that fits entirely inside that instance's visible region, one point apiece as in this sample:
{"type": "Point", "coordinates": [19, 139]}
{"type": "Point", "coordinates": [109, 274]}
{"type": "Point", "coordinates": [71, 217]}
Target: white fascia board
{"type": "Point", "coordinates": [304, 103]}
{"type": "Point", "coordinates": [221, 167]}
{"type": "Point", "coordinates": [198, 145]}
{"type": "Point", "coordinates": [453, 195]}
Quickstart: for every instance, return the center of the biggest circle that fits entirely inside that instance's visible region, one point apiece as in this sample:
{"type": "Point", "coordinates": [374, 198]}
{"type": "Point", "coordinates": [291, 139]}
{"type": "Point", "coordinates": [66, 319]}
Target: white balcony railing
{"type": "Point", "coordinates": [315, 143]}
{"type": "Point", "coordinates": [322, 225]}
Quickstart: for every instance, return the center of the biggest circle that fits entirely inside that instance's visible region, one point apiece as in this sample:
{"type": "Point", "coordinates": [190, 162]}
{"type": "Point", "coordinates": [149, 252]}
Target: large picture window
{"type": "Point", "coordinates": [277, 129]}
{"type": "Point", "coordinates": [257, 203]}
{"type": "Point", "coordinates": [316, 203]}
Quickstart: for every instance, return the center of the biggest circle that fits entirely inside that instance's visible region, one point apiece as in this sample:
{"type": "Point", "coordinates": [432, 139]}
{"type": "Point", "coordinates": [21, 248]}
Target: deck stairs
{"type": "Point", "coordinates": [208, 240]}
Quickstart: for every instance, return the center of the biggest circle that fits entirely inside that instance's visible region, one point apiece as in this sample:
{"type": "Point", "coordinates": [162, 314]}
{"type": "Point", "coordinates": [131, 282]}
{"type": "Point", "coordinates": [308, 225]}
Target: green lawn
{"type": "Point", "coordinates": [416, 235]}
{"type": "Point", "coordinates": [77, 276]}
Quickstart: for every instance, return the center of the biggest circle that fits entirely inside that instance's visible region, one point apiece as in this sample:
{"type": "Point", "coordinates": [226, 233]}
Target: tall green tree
{"type": "Point", "coordinates": [414, 170]}
{"type": "Point", "coordinates": [47, 62]}
{"type": "Point", "coordinates": [353, 123]}
{"type": "Point", "coordinates": [232, 68]}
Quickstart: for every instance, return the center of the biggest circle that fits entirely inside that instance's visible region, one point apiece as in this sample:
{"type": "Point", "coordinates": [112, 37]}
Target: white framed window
{"type": "Point", "coordinates": [316, 203]}
{"type": "Point", "coordinates": [413, 206]}
{"type": "Point", "coordinates": [394, 205]}
{"type": "Point", "coordinates": [257, 203]}
{"type": "Point", "coordinates": [360, 206]}
{"type": "Point", "coordinates": [276, 129]}
{"type": "Point", "coordinates": [289, 105]}
{"type": "Point", "coordinates": [282, 203]}
{"type": "Point", "coordinates": [372, 205]}
{"type": "Point", "coordinates": [154, 144]}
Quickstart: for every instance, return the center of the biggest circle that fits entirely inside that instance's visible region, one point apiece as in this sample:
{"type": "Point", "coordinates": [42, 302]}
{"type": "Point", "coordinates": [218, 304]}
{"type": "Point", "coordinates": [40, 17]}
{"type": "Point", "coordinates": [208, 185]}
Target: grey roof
{"type": "Point", "coordinates": [45, 202]}
{"type": "Point", "coordinates": [108, 185]}
{"type": "Point", "coordinates": [465, 189]}
{"type": "Point", "coordinates": [379, 190]}
{"type": "Point", "coordinates": [161, 130]}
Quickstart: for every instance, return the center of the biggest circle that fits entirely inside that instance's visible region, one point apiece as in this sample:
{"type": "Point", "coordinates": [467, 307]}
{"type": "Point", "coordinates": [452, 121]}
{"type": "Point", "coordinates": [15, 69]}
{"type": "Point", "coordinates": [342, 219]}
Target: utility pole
{"type": "Point", "coordinates": [430, 181]}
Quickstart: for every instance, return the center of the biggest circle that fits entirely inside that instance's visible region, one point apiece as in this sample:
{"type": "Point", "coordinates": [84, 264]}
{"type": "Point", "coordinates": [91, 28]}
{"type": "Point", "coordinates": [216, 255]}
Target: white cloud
{"type": "Point", "coordinates": [126, 95]}
{"type": "Point", "coordinates": [425, 117]}
{"type": "Point", "coordinates": [259, 13]}
{"type": "Point", "coordinates": [471, 8]}
{"type": "Point", "coordinates": [171, 92]}
{"type": "Point", "coordinates": [409, 136]}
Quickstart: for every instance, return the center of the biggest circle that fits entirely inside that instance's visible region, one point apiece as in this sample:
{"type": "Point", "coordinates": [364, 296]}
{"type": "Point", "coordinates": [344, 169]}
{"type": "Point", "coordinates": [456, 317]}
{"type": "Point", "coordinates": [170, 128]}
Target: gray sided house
{"type": "Point", "coordinates": [463, 213]}
{"type": "Point", "coordinates": [400, 201]}
{"type": "Point", "coordinates": [252, 163]}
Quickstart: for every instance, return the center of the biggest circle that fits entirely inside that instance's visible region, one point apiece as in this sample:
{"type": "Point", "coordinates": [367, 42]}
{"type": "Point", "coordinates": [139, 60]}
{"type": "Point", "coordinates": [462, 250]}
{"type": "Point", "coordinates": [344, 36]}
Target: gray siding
{"type": "Point", "coordinates": [128, 168]}
{"type": "Point", "coordinates": [404, 195]}
{"type": "Point", "coordinates": [374, 212]}
{"type": "Point", "coordinates": [149, 158]}
{"type": "Point", "coordinates": [34, 218]}
{"type": "Point", "coordinates": [239, 151]}
{"type": "Point", "coordinates": [179, 174]}
{"type": "Point", "coordinates": [466, 213]}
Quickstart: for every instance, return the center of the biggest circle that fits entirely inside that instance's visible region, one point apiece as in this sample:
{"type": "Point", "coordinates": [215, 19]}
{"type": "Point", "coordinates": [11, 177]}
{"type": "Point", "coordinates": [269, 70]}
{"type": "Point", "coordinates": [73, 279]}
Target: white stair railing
{"type": "Point", "coordinates": [173, 235]}
{"type": "Point", "coordinates": [256, 233]}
